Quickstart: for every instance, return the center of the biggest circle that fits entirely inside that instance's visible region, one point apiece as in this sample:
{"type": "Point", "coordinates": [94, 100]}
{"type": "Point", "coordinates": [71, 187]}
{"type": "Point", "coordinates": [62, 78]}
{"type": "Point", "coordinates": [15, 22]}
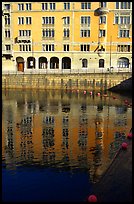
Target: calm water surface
{"type": "Point", "coordinates": [57, 144]}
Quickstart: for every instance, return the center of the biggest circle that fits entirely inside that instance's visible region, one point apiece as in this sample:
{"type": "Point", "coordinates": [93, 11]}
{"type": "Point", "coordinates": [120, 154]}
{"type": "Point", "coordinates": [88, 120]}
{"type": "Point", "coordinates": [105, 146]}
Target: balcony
{"type": "Point", "coordinates": [100, 11]}
{"type": "Point", "coordinates": [6, 52]}
{"type": "Point", "coordinates": [6, 12]}
{"type": "Point", "coordinates": [23, 39]}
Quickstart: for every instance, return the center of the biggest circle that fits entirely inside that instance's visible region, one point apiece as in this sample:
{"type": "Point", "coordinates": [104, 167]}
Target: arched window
{"type": "Point", "coordinates": [31, 63]}
{"type": "Point", "coordinates": [54, 63]}
{"type": "Point", "coordinates": [43, 63]}
{"type": "Point", "coordinates": [101, 63]}
{"type": "Point", "coordinates": [123, 62]}
{"type": "Point", "coordinates": [66, 63]}
{"type": "Point", "coordinates": [84, 63]}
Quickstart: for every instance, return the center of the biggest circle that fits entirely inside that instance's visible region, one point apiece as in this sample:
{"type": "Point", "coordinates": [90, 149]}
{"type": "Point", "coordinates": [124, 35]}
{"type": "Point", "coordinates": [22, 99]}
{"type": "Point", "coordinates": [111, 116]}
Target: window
{"type": "Point", "coordinates": [85, 5]}
{"type": "Point", "coordinates": [48, 20]}
{"type": "Point", "coordinates": [66, 20]}
{"type": "Point", "coordinates": [66, 33]}
{"type": "Point", "coordinates": [7, 34]}
{"type": "Point", "coordinates": [7, 20]}
{"type": "Point", "coordinates": [101, 63]}
{"type": "Point", "coordinates": [85, 33]}
{"type": "Point", "coordinates": [85, 48]}
{"type": "Point", "coordinates": [25, 47]}
{"type": "Point", "coordinates": [7, 6]}
{"type": "Point", "coordinates": [28, 6]}
{"type": "Point", "coordinates": [52, 6]}
{"type": "Point", "coordinates": [8, 47]}
{"type": "Point", "coordinates": [48, 33]}
{"type": "Point", "coordinates": [44, 6]}
{"type": "Point", "coordinates": [24, 32]}
{"type": "Point", "coordinates": [124, 19]}
{"type": "Point", "coordinates": [20, 20]}
{"type": "Point", "coordinates": [123, 5]}
{"type": "Point", "coordinates": [28, 20]}
{"type": "Point", "coordinates": [102, 19]}
{"type": "Point", "coordinates": [123, 62]}
{"type": "Point", "coordinates": [20, 7]}
{"type": "Point", "coordinates": [85, 20]}
{"type": "Point", "coordinates": [67, 6]}
{"type": "Point", "coordinates": [123, 48]}
{"type": "Point", "coordinates": [102, 33]}
{"type": "Point", "coordinates": [116, 20]}
{"type": "Point", "coordinates": [103, 4]}
{"type": "Point", "coordinates": [84, 63]}
{"type": "Point", "coordinates": [124, 33]}
{"type": "Point", "coordinates": [117, 5]}
{"type": "Point", "coordinates": [48, 47]}
{"type": "Point", "coordinates": [66, 47]}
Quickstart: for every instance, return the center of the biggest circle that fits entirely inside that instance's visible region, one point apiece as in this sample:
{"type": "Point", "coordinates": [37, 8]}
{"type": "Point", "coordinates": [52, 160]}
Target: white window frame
{"type": "Point", "coordinates": [20, 7]}
{"type": "Point", "coordinates": [85, 20]}
{"type": "Point", "coordinates": [66, 5]}
{"type": "Point", "coordinates": [48, 47]}
{"type": "Point", "coordinates": [85, 33]}
{"type": "Point", "coordinates": [7, 33]}
{"type": "Point", "coordinates": [28, 6]}
{"type": "Point", "coordinates": [44, 6]}
{"type": "Point", "coordinates": [28, 20]}
{"type": "Point", "coordinates": [85, 5]}
{"type": "Point", "coordinates": [20, 20]}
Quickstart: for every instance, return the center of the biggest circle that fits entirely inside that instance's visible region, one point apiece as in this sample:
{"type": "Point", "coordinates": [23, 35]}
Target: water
{"type": "Point", "coordinates": [57, 144]}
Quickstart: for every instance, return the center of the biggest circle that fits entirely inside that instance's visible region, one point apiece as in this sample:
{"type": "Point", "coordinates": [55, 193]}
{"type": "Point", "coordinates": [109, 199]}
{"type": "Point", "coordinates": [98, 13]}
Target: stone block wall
{"type": "Point", "coordinates": [63, 81]}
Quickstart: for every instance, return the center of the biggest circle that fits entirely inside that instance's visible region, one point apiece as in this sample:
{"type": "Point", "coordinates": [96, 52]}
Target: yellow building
{"type": "Point", "coordinates": [63, 36]}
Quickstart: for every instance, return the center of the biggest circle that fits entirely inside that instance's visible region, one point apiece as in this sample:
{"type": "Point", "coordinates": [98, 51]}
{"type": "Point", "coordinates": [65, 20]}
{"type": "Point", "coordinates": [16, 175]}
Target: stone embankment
{"type": "Point", "coordinates": [92, 81]}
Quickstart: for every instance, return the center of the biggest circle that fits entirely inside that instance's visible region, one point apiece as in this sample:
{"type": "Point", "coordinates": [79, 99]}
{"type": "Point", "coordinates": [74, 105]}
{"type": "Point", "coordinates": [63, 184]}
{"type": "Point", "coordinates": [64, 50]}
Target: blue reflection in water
{"type": "Point", "coordinates": [30, 184]}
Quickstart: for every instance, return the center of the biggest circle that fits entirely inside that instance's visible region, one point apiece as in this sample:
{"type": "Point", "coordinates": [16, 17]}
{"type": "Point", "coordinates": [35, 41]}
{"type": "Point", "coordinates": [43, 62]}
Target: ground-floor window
{"type": "Point", "coordinates": [66, 63]}
{"type": "Point", "coordinates": [123, 62]}
{"type": "Point", "coordinates": [101, 63]}
{"type": "Point", "coordinates": [30, 62]}
{"type": "Point", "coordinates": [43, 63]}
{"type": "Point", "coordinates": [84, 63]}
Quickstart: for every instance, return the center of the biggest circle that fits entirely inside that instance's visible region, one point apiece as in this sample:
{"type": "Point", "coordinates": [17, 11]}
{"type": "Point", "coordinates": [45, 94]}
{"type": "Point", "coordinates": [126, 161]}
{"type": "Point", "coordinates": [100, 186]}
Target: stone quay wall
{"type": "Point", "coordinates": [93, 81]}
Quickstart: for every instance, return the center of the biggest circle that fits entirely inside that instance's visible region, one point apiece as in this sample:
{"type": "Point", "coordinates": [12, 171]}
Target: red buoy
{"type": "Point", "coordinates": [92, 198]}
{"type": "Point", "coordinates": [129, 136]}
{"type": "Point", "coordinates": [124, 145]}
{"type": "Point", "coordinates": [84, 92]}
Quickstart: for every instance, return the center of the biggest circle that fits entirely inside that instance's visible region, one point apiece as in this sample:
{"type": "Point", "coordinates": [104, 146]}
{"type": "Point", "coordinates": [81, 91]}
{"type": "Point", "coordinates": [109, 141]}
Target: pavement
{"type": "Point", "coordinates": [116, 184]}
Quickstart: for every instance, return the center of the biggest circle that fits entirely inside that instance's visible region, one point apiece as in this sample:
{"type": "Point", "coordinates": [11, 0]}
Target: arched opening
{"type": "Point", "coordinates": [54, 63]}
{"type": "Point", "coordinates": [43, 63]}
{"type": "Point", "coordinates": [84, 63]}
{"type": "Point", "coordinates": [31, 63]}
{"type": "Point", "coordinates": [66, 63]}
{"type": "Point", "coordinates": [101, 63]}
{"type": "Point", "coordinates": [20, 64]}
{"type": "Point", "coordinates": [123, 62]}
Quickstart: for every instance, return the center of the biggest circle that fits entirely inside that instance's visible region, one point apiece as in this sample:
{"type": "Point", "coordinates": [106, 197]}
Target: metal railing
{"type": "Point", "coordinates": [71, 71]}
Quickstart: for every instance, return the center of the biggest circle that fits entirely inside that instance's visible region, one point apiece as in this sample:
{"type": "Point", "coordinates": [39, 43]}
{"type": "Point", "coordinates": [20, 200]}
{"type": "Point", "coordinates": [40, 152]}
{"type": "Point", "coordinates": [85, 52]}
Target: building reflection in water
{"type": "Point", "coordinates": [63, 130]}
{"type": "Point", "coordinates": [95, 173]}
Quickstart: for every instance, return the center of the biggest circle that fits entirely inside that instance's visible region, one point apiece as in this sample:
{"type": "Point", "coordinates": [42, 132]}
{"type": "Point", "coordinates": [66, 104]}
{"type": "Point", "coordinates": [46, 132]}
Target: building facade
{"type": "Point", "coordinates": [66, 36]}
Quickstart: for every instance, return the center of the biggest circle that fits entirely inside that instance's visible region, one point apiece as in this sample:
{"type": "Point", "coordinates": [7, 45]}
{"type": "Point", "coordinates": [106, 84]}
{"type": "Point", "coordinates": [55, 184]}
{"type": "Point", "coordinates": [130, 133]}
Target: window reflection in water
{"type": "Point", "coordinates": [26, 144]}
{"type": "Point", "coordinates": [48, 139]}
